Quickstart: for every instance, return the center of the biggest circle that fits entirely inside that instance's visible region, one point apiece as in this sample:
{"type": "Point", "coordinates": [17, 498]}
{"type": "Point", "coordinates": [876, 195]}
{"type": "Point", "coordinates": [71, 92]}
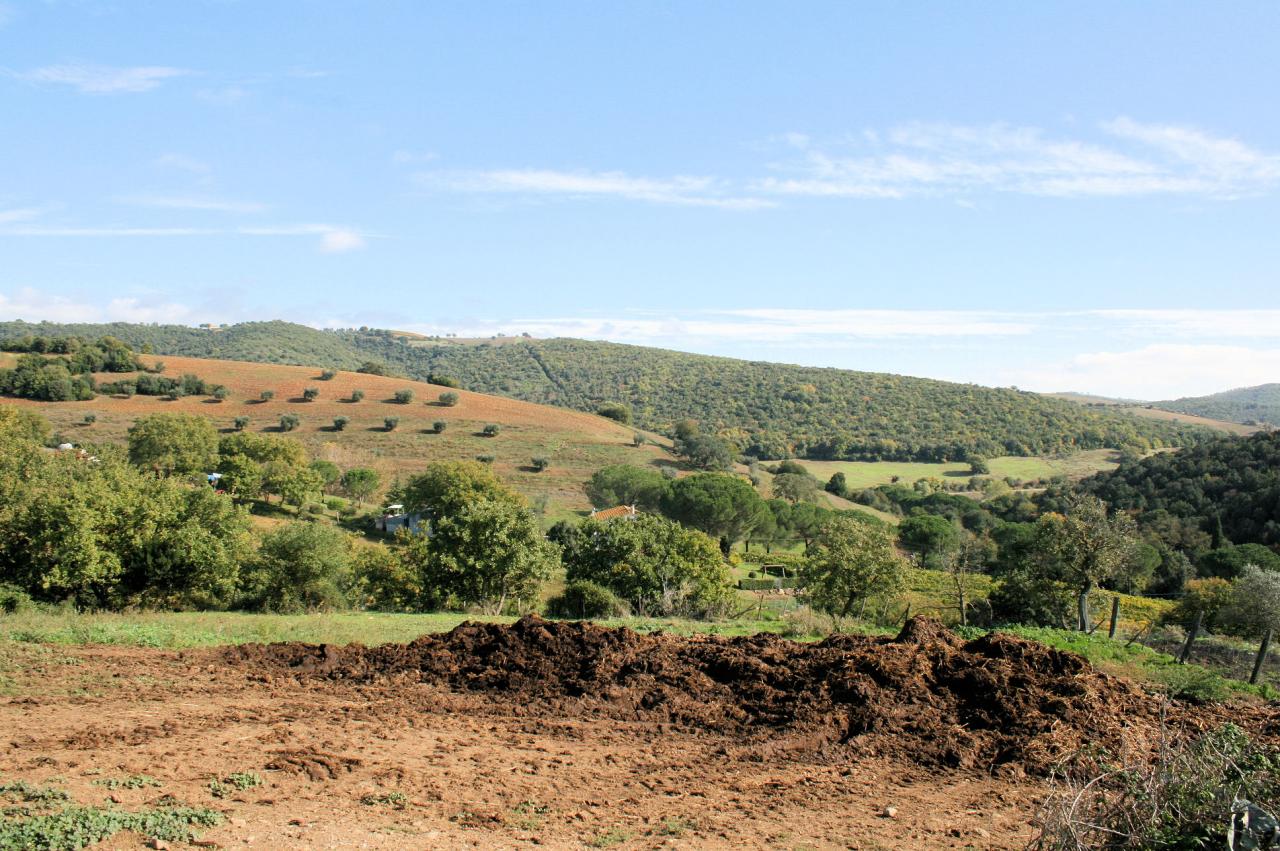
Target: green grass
{"type": "Point", "coordinates": [868, 474]}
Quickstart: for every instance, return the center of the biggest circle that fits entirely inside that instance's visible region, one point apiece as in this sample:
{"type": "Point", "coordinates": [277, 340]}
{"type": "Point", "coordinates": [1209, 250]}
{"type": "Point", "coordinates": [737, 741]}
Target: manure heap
{"type": "Point", "coordinates": [997, 702]}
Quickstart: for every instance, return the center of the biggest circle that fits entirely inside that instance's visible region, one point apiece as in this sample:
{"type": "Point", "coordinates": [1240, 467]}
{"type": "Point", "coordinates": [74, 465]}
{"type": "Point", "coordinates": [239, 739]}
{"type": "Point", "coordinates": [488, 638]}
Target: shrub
{"type": "Point", "coordinates": [340, 423]}
{"type": "Point", "coordinates": [267, 395]}
{"type": "Point", "coordinates": [443, 380]}
{"type": "Point", "coordinates": [327, 375]}
{"type": "Point", "coordinates": [370, 367]}
{"type": "Point", "coordinates": [485, 459]}
{"type": "Point", "coordinates": [240, 423]}
{"type": "Point", "coordinates": [289, 422]}
{"type": "Point", "coordinates": [221, 393]}
{"type": "Point", "coordinates": [491, 430]}
{"type": "Point", "coordinates": [540, 464]}
{"type": "Point", "coordinates": [390, 423]}
{"type": "Point", "coordinates": [357, 395]}
{"type": "Point", "coordinates": [448, 399]}
{"type": "Point", "coordinates": [174, 395]}
{"type": "Point", "coordinates": [584, 600]}
{"type": "Point", "coordinates": [90, 419]}
{"type": "Point", "coordinates": [335, 503]}
{"type": "Point", "coordinates": [615, 411]}
{"type": "Point", "coordinates": [310, 394]}
{"type": "Point", "coordinates": [14, 599]}
{"type": "Point", "coordinates": [439, 426]}
{"type": "Point", "coordinates": [404, 397]}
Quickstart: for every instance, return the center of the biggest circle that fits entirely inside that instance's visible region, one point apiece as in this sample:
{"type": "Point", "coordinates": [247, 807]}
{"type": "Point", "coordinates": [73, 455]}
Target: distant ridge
{"type": "Point", "coordinates": [768, 410]}
{"type": "Point", "coordinates": [1257, 406]}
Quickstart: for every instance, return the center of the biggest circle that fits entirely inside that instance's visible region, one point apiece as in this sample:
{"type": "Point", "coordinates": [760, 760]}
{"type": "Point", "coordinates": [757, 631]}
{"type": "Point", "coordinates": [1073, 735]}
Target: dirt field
{"type": "Point", "coordinates": [567, 736]}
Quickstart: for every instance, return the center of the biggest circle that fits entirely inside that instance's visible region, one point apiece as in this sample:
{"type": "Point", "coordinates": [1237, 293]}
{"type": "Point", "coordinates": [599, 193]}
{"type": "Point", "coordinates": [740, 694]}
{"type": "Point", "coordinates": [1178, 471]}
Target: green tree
{"type": "Point", "coordinates": [448, 398]}
{"type": "Point", "coordinates": [491, 430]}
{"type": "Point", "coordinates": [719, 504]}
{"type": "Point", "coordinates": [173, 444]}
{"type": "Point", "coordinates": [796, 487]}
{"type": "Point", "coordinates": [439, 426]}
{"type": "Point", "coordinates": [221, 393]}
{"type": "Point", "coordinates": [851, 561]}
{"type": "Point", "coordinates": [289, 422]}
{"type": "Point", "coordinates": [390, 423]}
{"type": "Point", "coordinates": [357, 395]}
{"type": "Point", "coordinates": [360, 483]}
{"type": "Point", "coordinates": [626, 484]}
{"type": "Point", "coordinates": [267, 395]}
{"type": "Point", "coordinates": [837, 484]}
{"type": "Point", "coordinates": [302, 567]}
{"type": "Point", "coordinates": [615, 411]}
{"type": "Point", "coordinates": [404, 397]}
{"type": "Point", "coordinates": [706, 452]}
{"type": "Point", "coordinates": [1089, 547]}
{"type": "Point", "coordinates": [658, 566]}
{"type": "Point", "coordinates": [240, 423]}
{"type": "Point", "coordinates": [327, 471]}
{"type": "Point", "coordinates": [311, 394]}
{"type": "Point", "coordinates": [930, 536]}
{"type": "Point", "coordinates": [340, 423]}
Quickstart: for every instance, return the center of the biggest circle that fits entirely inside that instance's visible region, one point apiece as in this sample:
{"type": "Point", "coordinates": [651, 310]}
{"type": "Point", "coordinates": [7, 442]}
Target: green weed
{"type": "Point", "coordinates": [232, 783]}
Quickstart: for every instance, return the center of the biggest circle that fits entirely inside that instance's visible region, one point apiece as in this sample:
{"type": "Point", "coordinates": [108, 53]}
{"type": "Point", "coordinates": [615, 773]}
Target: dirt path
{"type": "Point", "coordinates": [455, 769]}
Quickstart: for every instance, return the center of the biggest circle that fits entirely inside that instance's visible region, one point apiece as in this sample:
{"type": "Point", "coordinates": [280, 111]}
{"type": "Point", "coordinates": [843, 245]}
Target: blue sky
{"type": "Point", "coordinates": [1056, 196]}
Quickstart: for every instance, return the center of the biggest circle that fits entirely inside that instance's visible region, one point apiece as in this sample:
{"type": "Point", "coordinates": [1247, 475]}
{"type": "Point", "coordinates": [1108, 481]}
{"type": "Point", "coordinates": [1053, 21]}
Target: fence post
{"type": "Point", "coordinates": [1262, 657]}
{"type": "Point", "coordinates": [1191, 637]}
{"type": "Point", "coordinates": [1115, 616]}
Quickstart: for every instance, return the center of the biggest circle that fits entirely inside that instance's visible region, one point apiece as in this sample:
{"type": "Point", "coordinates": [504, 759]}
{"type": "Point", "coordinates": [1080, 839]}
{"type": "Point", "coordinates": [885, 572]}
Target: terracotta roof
{"type": "Point", "coordinates": [616, 511]}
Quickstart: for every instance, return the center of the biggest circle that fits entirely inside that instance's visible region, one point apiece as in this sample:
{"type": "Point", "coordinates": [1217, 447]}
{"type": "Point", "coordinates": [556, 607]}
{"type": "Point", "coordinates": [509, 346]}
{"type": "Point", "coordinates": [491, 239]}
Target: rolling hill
{"type": "Point", "coordinates": [767, 409]}
{"type": "Point", "coordinates": [1251, 406]}
{"type": "Point", "coordinates": [576, 444]}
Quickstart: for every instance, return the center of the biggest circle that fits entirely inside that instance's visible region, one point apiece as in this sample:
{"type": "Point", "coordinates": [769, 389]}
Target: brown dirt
{"type": "Point", "coordinates": [569, 735]}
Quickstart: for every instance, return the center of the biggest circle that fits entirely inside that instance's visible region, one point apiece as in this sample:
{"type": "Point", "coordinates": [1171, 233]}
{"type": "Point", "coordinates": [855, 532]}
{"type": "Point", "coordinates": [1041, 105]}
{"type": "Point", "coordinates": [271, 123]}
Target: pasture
{"type": "Point", "coordinates": [869, 474]}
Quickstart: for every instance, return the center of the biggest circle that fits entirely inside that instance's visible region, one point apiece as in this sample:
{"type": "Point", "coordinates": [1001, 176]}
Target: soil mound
{"type": "Point", "coordinates": [925, 695]}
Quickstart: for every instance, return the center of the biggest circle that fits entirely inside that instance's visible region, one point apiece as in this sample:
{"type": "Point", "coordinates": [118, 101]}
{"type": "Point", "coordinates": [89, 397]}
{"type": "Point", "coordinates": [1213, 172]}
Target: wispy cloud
{"type": "Point", "coordinates": [103, 79]}
{"type": "Point", "coordinates": [1125, 158]}
{"type": "Point", "coordinates": [21, 214]}
{"type": "Point", "coordinates": [33, 305]}
{"type": "Point", "coordinates": [1225, 324]}
{"type": "Point", "coordinates": [182, 202]}
{"type": "Point", "coordinates": [333, 239]}
{"type": "Point", "coordinates": [679, 190]}
{"type": "Point", "coordinates": [945, 159]}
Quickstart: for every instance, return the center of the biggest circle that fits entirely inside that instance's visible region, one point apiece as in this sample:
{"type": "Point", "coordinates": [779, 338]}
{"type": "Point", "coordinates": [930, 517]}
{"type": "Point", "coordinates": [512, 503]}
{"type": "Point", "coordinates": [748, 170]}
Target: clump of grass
{"type": "Point", "coordinates": [76, 826]}
{"type": "Point", "coordinates": [132, 781]}
{"type": "Point", "coordinates": [232, 783]}
{"type": "Point", "coordinates": [528, 815]}
{"type": "Point", "coordinates": [609, 838]}
{"type": "Point", "coordinates": [675, 826]}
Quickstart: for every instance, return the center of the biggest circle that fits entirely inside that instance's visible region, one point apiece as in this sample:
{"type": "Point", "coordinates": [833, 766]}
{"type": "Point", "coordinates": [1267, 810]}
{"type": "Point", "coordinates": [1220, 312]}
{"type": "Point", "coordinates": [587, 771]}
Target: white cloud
{"type": "Point", "coordinates": [105, 231]}
{"type": "Point", "coordinates": [168, 202]}
{"type": "Point", "coordinates": [1222, 324]}
{"type": "Point", "coordinates": [947, 159]}
{"type": "Point", "coordinates": [1163, 371]}
{"type": "Point", "coordinates": [32, 305]}
{"type": "Point", "coordinates": [102, 79]}
{"type": "Point", "coordinates": [334, 239]}
{"type": "Point", "coordinates": [19, 215]}
{"type": "Point", "coordinates": [341, 241]}
{"type": "Point", "coordinates": [680, 190]}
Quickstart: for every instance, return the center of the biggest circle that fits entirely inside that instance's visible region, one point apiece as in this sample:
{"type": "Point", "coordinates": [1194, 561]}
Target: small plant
{"type": "Point", "coordinates": [529, 814]}
{"type": "Point", "coordinates": [267, 395]}
{"type": "Point", "coordinates": [236, 782]}
{"type": "Point", "coordinates": [90, 419]}
{"type": "Point", "coordinates": [485, 459]}
{"type": "Point", "coordinates": [540, 464]}
{"type": "Point", "coordinates": [609, 838]}
{"type": "Point", "coordinates": [491, 430]}
{"type": "Point", "coordinates": [637, 439]}
{"type": "Point", "coordinates": [404, 397]}
{"type": "Point", "coordinates": [439, 426]}
{"type": "Point", "coordinates": [289, 422]}
{"type": "Point", "coordinates": [21, 790]}
{"type": "Point", "coordinates": [220, 393]}
{"type": "Point", "coordinates": [335, 503]}
{"type": "Point", "coordinates": [310, 394]}
{"type": "Point", "coordinates": [357, 395]}
{"type": "Point", "coordinates": [675, 826]}
{"type": "Point", "coordinates": [390, 423]}
{"type": "Point", "coordinates": [395, 800]}
{"type": "Point", "coordinates": [75, 826]}
{"type": "Point", "coordinates": [133, 781]}
{"type": "Point", "coordinates": [340, 423]}
{"type": "Point", "coordinates": [328, 375]}
{"type": "Point", "coordinates": [448, 398]}
{"type": "Point", "coordinates": [240, 423]}
{"type": "Point", "coordinates": [173, 395]}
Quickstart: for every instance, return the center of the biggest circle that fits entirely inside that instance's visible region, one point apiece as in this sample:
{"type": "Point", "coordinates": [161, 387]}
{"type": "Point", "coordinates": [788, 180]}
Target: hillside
{"type": "Point", "coordinates": [1156, 411]}
{"type": "Point", "coordinates": [1249, 405]}
{"type": "Point", "coordinates": [1231, 481]}
{"type": "Point", "coordinates": [576, 444]}
{"type": "Point", "coordinates": [769, 410]}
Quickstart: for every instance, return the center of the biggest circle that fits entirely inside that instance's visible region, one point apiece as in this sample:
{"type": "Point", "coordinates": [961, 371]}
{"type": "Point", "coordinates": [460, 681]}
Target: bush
{"type": "Point", "coordinates": [302, 567]}
{"type": "Point", "coordinates": [14, 599]}
{"type": "Point", "coordinates": [390, 423]}
{"type": "Point", "coordinates": [310, 394]}
{"type": "Point", "coordinates": [448, 399]}
{"type": "Point", "coordinates": [357, 395]}
{"type": "Point", "coordinates": [586, 600]}
{"type": "Point", "coordinates": [540, 464]}
{"type": "Point", "coordinates": [491, 430]}
{"type": "Point", "coordinates": [485, 459]}
{"type": "Point", "coordinates": [404, 397]}
{"type": "Point", "coordinates": [340, 423]}
{"type": "Point", "coordinates": [328, 375]}
{"type": "Point", "coordinates": [335, 503]}
{"type": "Point", "coordinates": [370, 367]}
{"type": "Point", "coordinates": [615, 411]}
{"type": "Point", "coordinates": [638, 439]}
{"type": "Point", "coordinates": [90, 419]}
{"type": "Point", "coordinates": [221, 393]}
{"type": "Point", "coordinates": [289, 422]}
{"type": "Point", "coordinates": [443, 380]}
{"type": "Point", "coordinates": [240, 423]}
{"type": "Point", "coordinates": [439, 426]}
{"type": "Point", "coordinates": [267, 395]}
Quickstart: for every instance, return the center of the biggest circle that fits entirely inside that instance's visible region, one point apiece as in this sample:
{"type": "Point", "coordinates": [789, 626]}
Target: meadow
{"type": "Point", "coordinates": [869, 474]}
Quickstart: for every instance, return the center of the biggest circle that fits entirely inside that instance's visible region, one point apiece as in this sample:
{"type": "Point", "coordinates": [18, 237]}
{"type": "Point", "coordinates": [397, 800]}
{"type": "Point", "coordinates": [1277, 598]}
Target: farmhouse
{"type": "Point", "coordinates": [394, 519]}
